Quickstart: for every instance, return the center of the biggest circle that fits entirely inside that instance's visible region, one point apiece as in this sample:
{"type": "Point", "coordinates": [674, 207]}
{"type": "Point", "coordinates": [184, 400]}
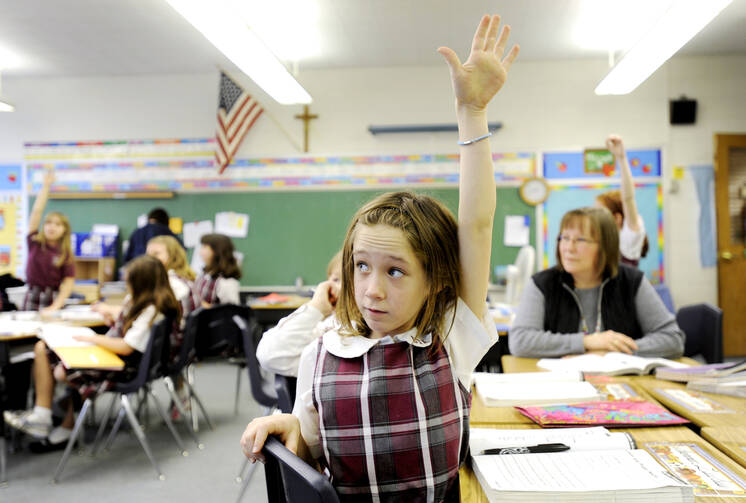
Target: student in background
{"type": "Point", "coordinates": [219, 282]}
{"type": "Point", "coordinates": [414, 323]}
{"type": "Point", "coordinates": [591, 302]}
{"type": "Point", "coordinates": [157, 226]}
{"type": "Point", "coordinates": [633, 243]}
{"type": "Point", "coordinates": [50, 271]}
{"type": "Point", "coordinates": [280, 348]}
{"type": "Point", "coordinates": [152, 299]}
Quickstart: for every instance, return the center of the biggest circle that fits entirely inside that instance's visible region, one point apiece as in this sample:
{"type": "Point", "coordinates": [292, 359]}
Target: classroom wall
{"type": "Point", "coordinates": [545, 106]}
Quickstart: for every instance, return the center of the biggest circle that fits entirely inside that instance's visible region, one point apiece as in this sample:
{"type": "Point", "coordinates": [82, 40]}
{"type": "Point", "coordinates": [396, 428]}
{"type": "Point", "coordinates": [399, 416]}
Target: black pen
{"type": "Point", "coordinates": [532, 449]}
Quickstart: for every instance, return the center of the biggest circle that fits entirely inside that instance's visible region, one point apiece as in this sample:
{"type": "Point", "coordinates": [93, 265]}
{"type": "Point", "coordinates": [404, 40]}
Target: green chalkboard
{"type": "Point", "coordinates": [291, 233]}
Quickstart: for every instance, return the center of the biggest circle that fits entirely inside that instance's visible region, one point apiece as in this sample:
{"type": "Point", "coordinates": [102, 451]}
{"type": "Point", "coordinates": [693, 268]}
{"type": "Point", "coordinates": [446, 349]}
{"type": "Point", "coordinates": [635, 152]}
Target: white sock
{"type": "Point", "coordinates": [59, 434]}
{"type": "Point", "coordinates": [42, 414]}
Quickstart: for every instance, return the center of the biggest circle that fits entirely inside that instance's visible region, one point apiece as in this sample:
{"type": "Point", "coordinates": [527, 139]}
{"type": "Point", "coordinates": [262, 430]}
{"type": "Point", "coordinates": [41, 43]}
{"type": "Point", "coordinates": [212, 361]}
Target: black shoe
{"type": "Point", "coordinates": [45, 445]}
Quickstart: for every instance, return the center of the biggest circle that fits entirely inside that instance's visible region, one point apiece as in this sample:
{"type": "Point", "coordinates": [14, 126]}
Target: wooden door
{"type": "Point", "coordinates": [730, 195]}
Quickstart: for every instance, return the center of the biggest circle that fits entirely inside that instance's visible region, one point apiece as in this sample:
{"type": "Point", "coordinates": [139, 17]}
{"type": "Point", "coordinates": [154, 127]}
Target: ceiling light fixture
{"type": "Point", "coordinates": [681, 22]}
{"type": "Point", "coordinates": [4, 105]}
{"type": "Point", "coordinates": [225, 29]}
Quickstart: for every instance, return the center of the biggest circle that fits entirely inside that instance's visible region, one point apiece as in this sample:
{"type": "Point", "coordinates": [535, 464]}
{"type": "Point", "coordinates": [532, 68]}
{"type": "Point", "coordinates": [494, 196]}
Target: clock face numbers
{"type": "Point", "coordinates": [534, 191]}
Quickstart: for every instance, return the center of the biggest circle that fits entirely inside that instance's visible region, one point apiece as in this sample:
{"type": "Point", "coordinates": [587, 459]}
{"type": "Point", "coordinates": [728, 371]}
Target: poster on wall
{"type": "Point", "coordinates": [187, 165]}
{"type": "Point", "coordinates": [11, 220]}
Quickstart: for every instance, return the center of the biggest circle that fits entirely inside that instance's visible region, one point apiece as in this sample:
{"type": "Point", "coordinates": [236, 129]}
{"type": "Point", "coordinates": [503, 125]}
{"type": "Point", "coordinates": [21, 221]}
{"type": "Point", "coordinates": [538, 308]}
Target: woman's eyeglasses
{"type": "Point", "coordinates": [580, 242]}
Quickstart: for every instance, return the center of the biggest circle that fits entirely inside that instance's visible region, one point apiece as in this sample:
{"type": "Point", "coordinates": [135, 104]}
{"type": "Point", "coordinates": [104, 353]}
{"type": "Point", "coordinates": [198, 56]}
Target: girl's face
{"type": "Point", "coordinates": [159, 251]}
{"type": "Point", "coordinates": [389, 281]}
{"type": "Point", "coordinates": [54, 229]}
{"type": "Point", "coordinates": [578, 250]}
{"type": "Point", "coordinates": [206, 254]}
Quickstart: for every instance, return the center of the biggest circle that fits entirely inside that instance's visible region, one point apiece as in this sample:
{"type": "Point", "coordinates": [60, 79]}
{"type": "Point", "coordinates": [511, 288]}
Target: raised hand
{"type": "Point", "coordinates": [49, 178]}
{"type": "Point", "coordinates": [615, 145]}
{"type": "Point", "coordinates": [476, 81]}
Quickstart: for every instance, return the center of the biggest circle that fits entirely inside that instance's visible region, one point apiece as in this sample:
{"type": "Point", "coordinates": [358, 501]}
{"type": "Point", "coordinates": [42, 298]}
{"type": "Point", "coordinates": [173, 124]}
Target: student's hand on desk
{"type": "Point", "coordinates": [325, 297]}
{"type": "Point", "coordinates": [84, 338]}
{"type": "Point", "coordinates": [609, 341]}
{"type": "Point", "coordinates": [285, 426]}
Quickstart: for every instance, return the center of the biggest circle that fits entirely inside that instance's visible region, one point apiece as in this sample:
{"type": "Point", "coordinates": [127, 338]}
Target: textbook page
{"type": "Point", "coordinates": [582, 471]}
{"type": "Point", "coordinates": [61, 336]}
{"type": "Point", "coordinates": [593, 438]}
{"type": "Point", "coordinates": [611, 363]}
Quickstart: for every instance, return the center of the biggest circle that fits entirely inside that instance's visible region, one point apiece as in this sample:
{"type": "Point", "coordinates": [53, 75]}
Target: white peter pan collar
{"type": "Point", "coordinates": [353, 346]}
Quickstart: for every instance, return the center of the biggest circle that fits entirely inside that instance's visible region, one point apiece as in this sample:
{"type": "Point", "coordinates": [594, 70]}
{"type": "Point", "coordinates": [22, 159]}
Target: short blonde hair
{"type": "Point", "coordinates": [432, 232]}
{"type": "Point", "coordinates": [177, 260]}
{"type": "Point", "coordinates": [602, 228]}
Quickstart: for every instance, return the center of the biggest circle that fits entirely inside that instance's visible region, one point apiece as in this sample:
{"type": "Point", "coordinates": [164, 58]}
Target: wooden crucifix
{"type": "Point", "coordinates": [306, 117]}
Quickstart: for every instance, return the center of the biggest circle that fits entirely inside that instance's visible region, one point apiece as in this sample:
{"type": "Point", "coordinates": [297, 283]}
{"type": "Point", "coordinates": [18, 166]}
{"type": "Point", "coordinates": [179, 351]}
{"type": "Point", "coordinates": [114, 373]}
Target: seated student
{"type": "Point", "coordinates": [157, 226]}
{"type": "Point", "coordinates": [50, 271]}
{"type": "Point", "coordinates": [152, 299]}
{"type": "Point", "coordinates": [218, 284]}
{"type": "Point", "coordinates": [280, 348]}
{"type": "Point", "coordinates": [383, 401]}
{"type": "Point", "coordinates": [591, 302]}
{"type": "Point", "coordinates": [633, 243]}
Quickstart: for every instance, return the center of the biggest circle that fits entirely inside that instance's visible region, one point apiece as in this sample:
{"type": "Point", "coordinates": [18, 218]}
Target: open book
{"type": "Point", "coordinates": [599, 467]}
{"type": "Point", "coordinates": [77, 354]}
{"type": "Point", "coordinates": [533, 388]}
{"type": "Point", "coordinates": [714, 372]}
{"type": "Point", "coordinates": [611, 364]}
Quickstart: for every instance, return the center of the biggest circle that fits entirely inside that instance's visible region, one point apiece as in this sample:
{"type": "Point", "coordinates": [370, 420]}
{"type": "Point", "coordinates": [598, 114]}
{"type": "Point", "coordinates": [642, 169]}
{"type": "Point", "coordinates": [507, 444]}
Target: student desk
{"type": "Point", "coordinates": [729, 439]}
{"type": "Point", "coordinates": [726, 410]}
{"type": "Point", "coordinates": [471, 490]}
{"type": "Point", "coordinates": [268, 315]}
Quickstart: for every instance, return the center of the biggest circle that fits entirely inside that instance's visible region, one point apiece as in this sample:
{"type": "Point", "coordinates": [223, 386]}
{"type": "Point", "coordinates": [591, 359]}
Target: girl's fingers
{"type": "Point", "coordinates": [502, 41]}
{"type": "Point", "coordinates": [508, 61]}
{"type": "Point", "coordinates": [489, 43]}
{"type": "Point", "coordinates": [450, 57]}
{"type": "Point", "coordinates": [478, 43]}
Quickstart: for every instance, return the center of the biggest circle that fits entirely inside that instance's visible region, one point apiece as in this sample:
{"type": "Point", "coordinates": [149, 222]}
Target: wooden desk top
{"type": "Point", "coordinates": [723, 410]}
{"type": "Point", "coordinates": [293, 302]}
{"type": "Point", "coordinates": [471, 490]}
{"type": "Point", "coordinates": [729, 439]}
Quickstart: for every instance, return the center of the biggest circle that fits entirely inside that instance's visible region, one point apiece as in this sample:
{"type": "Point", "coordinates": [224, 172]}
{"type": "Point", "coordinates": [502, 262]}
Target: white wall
{"type": "Point", "coordinates": [544, 106]}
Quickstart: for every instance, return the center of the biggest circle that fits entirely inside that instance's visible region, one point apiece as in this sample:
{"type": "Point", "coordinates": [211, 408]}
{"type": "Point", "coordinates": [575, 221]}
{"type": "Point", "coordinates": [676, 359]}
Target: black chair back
{"type": "Point", "coordinates": [154, 360]}
{"type": "Point", "coordinates": [290, 479]}
{"type": "Point", "coordinates": [285, 389]}
{"type": "Point", "coordinates": [213, 332]}
{"type": "Point", "coordinates": [703, 326]}
{"type": "Point", "coordinates": [261, 389]}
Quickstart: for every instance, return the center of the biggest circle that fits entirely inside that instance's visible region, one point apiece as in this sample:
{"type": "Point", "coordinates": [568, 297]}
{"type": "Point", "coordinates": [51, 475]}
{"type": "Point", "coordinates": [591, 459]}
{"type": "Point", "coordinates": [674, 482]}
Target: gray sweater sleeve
{"type": "Point", "coordinates": [663, 337]}
{"type": "Point", "coordinates": [527, 337]}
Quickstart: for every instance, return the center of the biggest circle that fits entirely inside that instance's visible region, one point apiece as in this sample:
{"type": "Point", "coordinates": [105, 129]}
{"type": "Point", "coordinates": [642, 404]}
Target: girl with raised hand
{"type": "Point", "coordinates": [383, 401]}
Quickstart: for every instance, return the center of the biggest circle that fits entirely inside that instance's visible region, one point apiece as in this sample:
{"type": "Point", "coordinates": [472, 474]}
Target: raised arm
{"type": "Point", "coordinates": [34, 220]}
{"type": "Point", "coordinates": [629, 206]}
{"type": "Point", "coordinates": [475, 83]}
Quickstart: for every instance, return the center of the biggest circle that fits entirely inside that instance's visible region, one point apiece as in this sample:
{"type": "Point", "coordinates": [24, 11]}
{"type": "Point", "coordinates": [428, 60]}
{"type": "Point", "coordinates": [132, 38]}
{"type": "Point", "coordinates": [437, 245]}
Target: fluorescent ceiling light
{"type": "Point", "coordinates": [230, 34]}
{"type": "Point", "coordinates": [681, 22]}
{"type": "Point", "coordinates": [4, 105]}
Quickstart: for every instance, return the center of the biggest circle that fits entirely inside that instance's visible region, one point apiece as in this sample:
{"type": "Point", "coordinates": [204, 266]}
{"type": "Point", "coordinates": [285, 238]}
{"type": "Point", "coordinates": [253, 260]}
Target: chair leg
{"type": "Point", "coordinates": [189, 383]}
{"type": "Point", "coordinates": [246, 480]}
{"type": "Point", "coordinates": [3, 458]}
{"type": "Point", "coordinates": [115, 428]}
{"type": "Point", "coordinates": [171, 388]}
{"type": "Point", "coordinates": [140, 434]}
{"type": "Point", "coordinates": [104, 422]}
{"type": "Point", "coordinates": [238, 389]}
{"type": "Point", "coordinates": [169, 423]}
{"type": "Point", "coordinates": [73, 438]}
{"type": "Point", "coordinates": [195, 420]}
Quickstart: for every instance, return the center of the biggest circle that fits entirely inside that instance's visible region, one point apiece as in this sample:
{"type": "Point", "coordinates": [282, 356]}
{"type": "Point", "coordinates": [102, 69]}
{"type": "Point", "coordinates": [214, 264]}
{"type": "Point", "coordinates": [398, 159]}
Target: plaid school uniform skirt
{"type": "Point", "coordinates": [204, 290]}
{"type": "Point", "coordinates": [38, 297]}
{"type": "Point", "coordinates": [394, 423]}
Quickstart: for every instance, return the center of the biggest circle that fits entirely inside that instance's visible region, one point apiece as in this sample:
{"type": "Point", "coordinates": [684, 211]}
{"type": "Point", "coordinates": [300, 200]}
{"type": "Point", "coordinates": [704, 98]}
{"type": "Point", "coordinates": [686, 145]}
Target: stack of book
{"type": "Point", "coordinates": [723, 378]}
{"type": "Point", "coordinates": [534, 388]}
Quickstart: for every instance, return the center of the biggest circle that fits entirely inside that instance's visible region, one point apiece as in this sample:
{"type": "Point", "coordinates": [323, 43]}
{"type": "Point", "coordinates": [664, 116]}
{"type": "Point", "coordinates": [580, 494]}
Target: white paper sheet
{"type": "Point", "coordinates": [235, 225]}
{"type": "Point", "coordinates": [61, 336]}
{"type": "Point", "coordinates": [517, 230]}
{"type": "Point", "coordinates": [193, 232]}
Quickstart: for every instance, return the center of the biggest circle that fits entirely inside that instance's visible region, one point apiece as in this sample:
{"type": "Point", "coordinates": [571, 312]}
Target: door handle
{"type": "Point", "coordinates": [726, 256]}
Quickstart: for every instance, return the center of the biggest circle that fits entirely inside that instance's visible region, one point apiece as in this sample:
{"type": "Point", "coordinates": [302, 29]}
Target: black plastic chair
{"type": "Point", "coordinates": [262, 388]}
{"type": "Point", "coordinates": [290, 479]}
{"type": "Point", "coordinates": [703, 326]}
{"type": "Point", "coordinates": [152, 365]}
{"type": "Point", "coordinates": [285, 390]}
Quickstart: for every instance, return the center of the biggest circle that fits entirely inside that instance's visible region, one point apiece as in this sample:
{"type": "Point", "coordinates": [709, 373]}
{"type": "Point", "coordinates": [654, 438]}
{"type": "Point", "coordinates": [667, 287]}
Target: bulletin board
{"type": "Point", "coordinates": [188, 165]}
{"type": "Point", "coordinates": [11, 220]}
{"type": "Point", "coordinates": [573, 186]}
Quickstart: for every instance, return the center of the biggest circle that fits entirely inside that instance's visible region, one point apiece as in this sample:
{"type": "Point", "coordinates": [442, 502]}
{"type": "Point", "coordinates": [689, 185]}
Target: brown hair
{"type": "Point", "coordinates": [335, 262]}
{"type": "Point", "coordinates": [431, 231]}
{"type": "Point", "coordinates": [66, 254]}
{"type": "Point", "coordinates": [148, 283]}
{"type": "Point", "coordinates": [602, 229]}
{"type": "Point", "coordinates": [223, 262]}
{"type": "Point", "coordinates": [612, 201]}
{"type": "Point", "coordinates": [177, 260]}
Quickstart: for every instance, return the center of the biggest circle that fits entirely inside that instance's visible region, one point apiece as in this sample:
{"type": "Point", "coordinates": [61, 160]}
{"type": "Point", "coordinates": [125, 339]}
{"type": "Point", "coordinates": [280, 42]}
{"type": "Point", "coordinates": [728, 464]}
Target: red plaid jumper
{"type": "Point", "coordinates": [394, 423]}
{"type": "Point", "coordinates": [204, 290]}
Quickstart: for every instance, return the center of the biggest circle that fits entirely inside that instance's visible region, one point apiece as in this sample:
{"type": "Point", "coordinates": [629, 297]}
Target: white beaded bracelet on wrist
{"type": "Point", "coordinates": [475, 140]}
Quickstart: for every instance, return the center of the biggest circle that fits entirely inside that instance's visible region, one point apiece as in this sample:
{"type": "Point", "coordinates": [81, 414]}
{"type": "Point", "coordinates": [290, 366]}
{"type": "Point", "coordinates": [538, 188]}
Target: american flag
{"type": "Point", "coordinates": [237, 112]}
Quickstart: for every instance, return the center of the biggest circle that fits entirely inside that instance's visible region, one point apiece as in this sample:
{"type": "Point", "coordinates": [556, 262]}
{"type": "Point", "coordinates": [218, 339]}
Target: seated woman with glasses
{"type": "Point", "coordinates": [591, 302]}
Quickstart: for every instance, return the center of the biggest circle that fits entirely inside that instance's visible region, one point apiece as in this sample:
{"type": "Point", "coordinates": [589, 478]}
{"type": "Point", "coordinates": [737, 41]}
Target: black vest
{"type": "Point", "coordinates": [618, 313]}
